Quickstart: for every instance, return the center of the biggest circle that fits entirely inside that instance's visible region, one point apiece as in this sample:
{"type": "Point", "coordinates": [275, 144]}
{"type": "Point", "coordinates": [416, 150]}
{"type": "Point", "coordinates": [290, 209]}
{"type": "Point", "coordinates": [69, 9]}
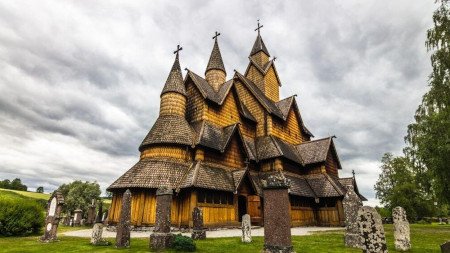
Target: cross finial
{"type": "Point", "coordinates": [353, 172]}
{"type": "Point", "coordinates": [178, 49]}
{"type": "Point", "coordinates": [217, 35]}
{"type": "Point", "coordinates": [259, 27]}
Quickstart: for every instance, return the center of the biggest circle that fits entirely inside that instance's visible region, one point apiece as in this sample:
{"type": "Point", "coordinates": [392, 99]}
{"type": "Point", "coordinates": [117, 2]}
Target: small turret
{"type": "Point", "coordinates": [173, 95]}
{"type": "Point", "coordinates": [215, 71]}
{"type": "Point", "coordinates": [259, 52]}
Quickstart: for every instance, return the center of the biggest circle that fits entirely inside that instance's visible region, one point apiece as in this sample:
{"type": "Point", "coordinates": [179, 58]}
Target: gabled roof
{"type": "Point", "coordinates": [174, 82]}
{"type": "Point", "coordinates": [207, 90]}
{"type": "Point", "coordinates": [270, 147]}
{"type": "Point", "coordinates": [263, 69]}
{"type": "Point", "coordinates": [215, 60]}
{"type": "Point", "coordinates": [314, 151]}
{"type": "Point", "coordinates": [170, 129]}
{"type": "Point", "coordinates": [259, 46]}
{"type": "Point", "coordinates": [346, 181]}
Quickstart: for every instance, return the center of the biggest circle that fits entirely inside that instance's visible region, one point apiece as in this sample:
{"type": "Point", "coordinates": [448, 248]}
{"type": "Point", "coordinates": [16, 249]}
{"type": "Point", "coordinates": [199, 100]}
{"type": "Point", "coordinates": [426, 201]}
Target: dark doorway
{"type": "Point", "coordinates": [242, 206]}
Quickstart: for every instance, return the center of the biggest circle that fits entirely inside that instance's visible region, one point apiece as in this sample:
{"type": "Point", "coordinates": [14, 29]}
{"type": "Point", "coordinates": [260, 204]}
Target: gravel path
{"type": "Point", "coordinates": [256, 231]}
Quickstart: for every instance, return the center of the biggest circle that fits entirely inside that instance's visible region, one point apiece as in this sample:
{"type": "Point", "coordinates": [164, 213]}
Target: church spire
{"type": "Point", "coordinates": [259, 45]}
{"type": "Point", "coordinates": [174, 82]}
{"type": "Point", "coordinates": [215, 71]}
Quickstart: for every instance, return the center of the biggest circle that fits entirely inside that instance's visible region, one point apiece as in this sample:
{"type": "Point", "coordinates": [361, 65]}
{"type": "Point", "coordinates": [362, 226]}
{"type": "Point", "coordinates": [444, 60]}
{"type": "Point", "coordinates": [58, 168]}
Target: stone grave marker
{"type": "Point", "coordinates": [97, 230]}
{"type": "Point", "coordinates": [371, 231]}
{"type": "Point", "coordinates": [246, 229]}
{"type": "Point", "coordinates": [198, 231]}
{"type": "Point", "coordinates": [91, 213]}
{"type": "Point", "coordinates": [105, 217]}
{"type": "Point", "coordinates": [55, 205]}
{"type": "Point", "coordinates": [161, 238]}
{"type": "Point", "coordinates": [124, 225]}
{"type": "Point", "coordinates": [77, 216]}
{"type": "Point", "coordinates": [277, 219]}
{"type": "Point", "coordinates": [351, 205]}
{"type": "Point", "coordinates": [445, 248]}
{"type": "Point", "coordinates": [401, 229]}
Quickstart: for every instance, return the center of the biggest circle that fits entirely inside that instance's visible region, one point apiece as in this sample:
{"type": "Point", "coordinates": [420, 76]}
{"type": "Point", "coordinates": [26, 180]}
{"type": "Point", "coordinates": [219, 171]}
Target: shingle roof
{"type": "Point", "coordinates": [152, 173]}
{"type": "Point", "coordinates": [259, 46]}
{"type": "Point", "coordinates": [299, 186]}
{"type": "Point", "coordinates": [208, 91]}
{"type": "Point", "coordinates": [215, 60]}
{"type": "Point", "coordinates": [263, 69]}
{"type": "Point", "coordinates": [314, 151]}
{"type": "Point", "coordinates": [322, 186]}
{"type": "Point", "coordinates": [270, 147]}
{"type": "Point", "coordinates": [249, 144]}
{"type": "Point", "coordinates": [171, 129]}
{"type": "Point", "coordinates": [175, 81]}
{"type": "Point", "coordinates": [209, 176]}
{"type": "Point", "coordinates": [346, 181]}
{"type": "Point", "coordinates": [212, 136]}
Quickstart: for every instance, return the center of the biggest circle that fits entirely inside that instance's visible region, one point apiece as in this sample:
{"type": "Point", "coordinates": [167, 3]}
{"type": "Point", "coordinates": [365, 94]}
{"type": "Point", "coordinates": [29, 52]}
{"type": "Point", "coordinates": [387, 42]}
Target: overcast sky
{"type": "Point", "coordinates": [80, 80]}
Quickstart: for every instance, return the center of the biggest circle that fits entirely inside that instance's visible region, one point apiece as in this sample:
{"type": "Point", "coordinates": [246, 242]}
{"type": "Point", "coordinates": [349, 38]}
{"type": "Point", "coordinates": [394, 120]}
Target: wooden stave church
{"type": "Point", "coordinates": [215, 140]}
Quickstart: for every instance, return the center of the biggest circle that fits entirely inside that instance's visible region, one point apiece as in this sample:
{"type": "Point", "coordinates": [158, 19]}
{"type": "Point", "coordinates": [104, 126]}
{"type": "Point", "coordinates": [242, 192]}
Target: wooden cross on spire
{"type": "Point", "coordinates": [217, 35]}
{"type": "Point", "coordinates": [178, 49]}
{"type": "Point", "coordinates": [259, 27]}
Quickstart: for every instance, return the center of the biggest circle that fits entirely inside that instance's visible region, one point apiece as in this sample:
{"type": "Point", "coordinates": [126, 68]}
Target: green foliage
{"type": "Point", "coordinates": [40, 189]}
{"type": "Point", "coordinates": [183, 243]}
{"type": "Point", "coordinates": [16, 184]}
{"type": "Point", "coordinates": [397, 186]}
{"type": "Point", "coordinates": [383, 211]}
{"type": "Point", "coordinates": [19, 215]}
{"type": "Point", "coordinates": [79, 194]}
{"type": "Point", "coordinates": [429, 136]}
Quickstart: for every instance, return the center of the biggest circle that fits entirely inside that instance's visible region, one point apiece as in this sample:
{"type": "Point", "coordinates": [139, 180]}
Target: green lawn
{"type": "Point", "coordinates": [33, 195]}
{"type": "Point", "coordinates": [425, 238]}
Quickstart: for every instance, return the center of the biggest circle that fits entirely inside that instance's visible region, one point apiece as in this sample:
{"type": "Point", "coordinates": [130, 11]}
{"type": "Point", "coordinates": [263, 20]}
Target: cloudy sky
{"type": "Point", "coordinates": [80, 80]}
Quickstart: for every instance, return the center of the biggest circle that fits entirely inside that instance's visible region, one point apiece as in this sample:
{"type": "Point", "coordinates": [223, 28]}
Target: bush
{"type": "Point", "coordinates": [183, 243]}
{"type": "Point", "coordinates": [19, 216]}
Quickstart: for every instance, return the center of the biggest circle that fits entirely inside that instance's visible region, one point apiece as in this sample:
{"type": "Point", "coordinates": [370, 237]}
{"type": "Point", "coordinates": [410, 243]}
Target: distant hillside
{"type": "Point", "coordinates": [33, 195]}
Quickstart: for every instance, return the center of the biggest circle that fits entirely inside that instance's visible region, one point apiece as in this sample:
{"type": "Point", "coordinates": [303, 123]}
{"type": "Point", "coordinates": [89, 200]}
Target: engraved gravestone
{"type": "Point", "coordinates": [351, 204]}
{"type": "Point", "coordinates": [55, 204]}
{"type": "Point", "coordinates": [246, 229]}
{"type": "Point", "coordinates": [161, 238]}
{"type": "Point", "coordinates": [124, 226]}
{"type": "Point", "coordinates": [371, 231]}
{"type": "Point", "coordinates": [198, 232]}
{"type": "Point", "coordinates": [401, 229]}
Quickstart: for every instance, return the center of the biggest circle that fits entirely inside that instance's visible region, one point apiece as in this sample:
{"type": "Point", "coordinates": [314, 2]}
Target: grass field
{"type": "Point", "coordinates": [425, 238]}
{"type": "Point", "coordinates": [33, 195]}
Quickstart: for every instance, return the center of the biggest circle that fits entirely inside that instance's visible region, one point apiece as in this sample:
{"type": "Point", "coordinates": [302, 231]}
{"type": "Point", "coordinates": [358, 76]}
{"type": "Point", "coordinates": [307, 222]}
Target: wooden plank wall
{"type": "Point", "coordinates": [218, 214]}
{"type": "Point", "coordinates": [195, 103]}
{"type": "Point", "coordinates": [256, 77]}
{"type": "Point", "coordinates": [328, 216]}
{"type": "Point", "coordinates": [331, 164]}
{"type": "Point", "coordinates": [302, 216]}
{"type": "Point", "coordinates": [232, 157]}
{"type": "Point", "coordinates": [272, 87]}
{"type": "Point", "coordinates": [176, 152]}
{"type": "Point", "coordinates": [253, 106]}
{"type": "Point", "coordinates": [224, 115]}
{"type": "Point", "coordinates": [173, 103]}
{"type": "Point", "coordinates": [288, 130]}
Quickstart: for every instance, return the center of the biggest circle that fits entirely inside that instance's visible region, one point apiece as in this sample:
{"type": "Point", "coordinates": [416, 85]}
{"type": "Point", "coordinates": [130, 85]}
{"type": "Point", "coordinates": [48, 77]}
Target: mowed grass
{"type": "Point", "coordinates": [425, 238]}
{"type": "Point", "coordinates": [33, 195]}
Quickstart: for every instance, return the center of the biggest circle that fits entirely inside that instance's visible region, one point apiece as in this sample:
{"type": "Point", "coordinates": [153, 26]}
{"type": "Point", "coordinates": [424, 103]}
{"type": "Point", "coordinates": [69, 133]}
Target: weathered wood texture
{"type": "Point", "coordinates": [195, 103]}
{"type": "Point", "coordinates": [224, 115]}
{"type": "Point", "coordinates": [272, 86]}
{"type": "Point", "coordinates": [288, 130]}
{"type": "Point", "coordinates": [260, 58]}
{"type": "Point", "coordinates": [331, 163]}
{"type": "Point", "coordinates": [302, 216]}
{"type": "Point", "coordinates": [173, 103]}
{"type": "Point", "coordinates": [176, 152]}
{"type": "Point", "coordinates": [256, 76]}
{"type": "Point", "coordinates": [328, 216]}
{"type": "Point", "coordinates": [215, 78]}
{"type": "Point", "coordinates": [233, 156]}
{"type": "Point", "coordinates": [253, 106]}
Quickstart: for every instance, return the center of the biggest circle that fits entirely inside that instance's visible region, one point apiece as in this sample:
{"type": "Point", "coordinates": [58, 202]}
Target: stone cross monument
{"type": "Point", "coordinates": [401, 229]}
{"type": "Point", "coordinates": [198, 232]}
{"type": "Point", "coordinates": [351, 204]}
{"type": "Point", "coordinates": [54, 206]}
{"type": "Point", "coordinates": [124, 226]}
{"type": "Point", "coordinates": [277, 220]}
{"type": "Point", "coordinates": [246, 229]}
{"type": "Point", "coordinates": [161, 238]}
{"type": "Point", "coordinates": [371, 231]}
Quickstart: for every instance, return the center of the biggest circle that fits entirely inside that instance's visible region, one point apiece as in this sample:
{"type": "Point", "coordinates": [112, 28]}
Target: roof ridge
{"type": "Point", "coordinates": [196, 169]}
{"type": "Point", "coordinates": [321, 139]}
{"type": "Point", "coordinates": [184, 177]}
{"type": "Point", "coordinates": [259, 46]}
{"type": "Point", "coordinates": [333, 183]}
